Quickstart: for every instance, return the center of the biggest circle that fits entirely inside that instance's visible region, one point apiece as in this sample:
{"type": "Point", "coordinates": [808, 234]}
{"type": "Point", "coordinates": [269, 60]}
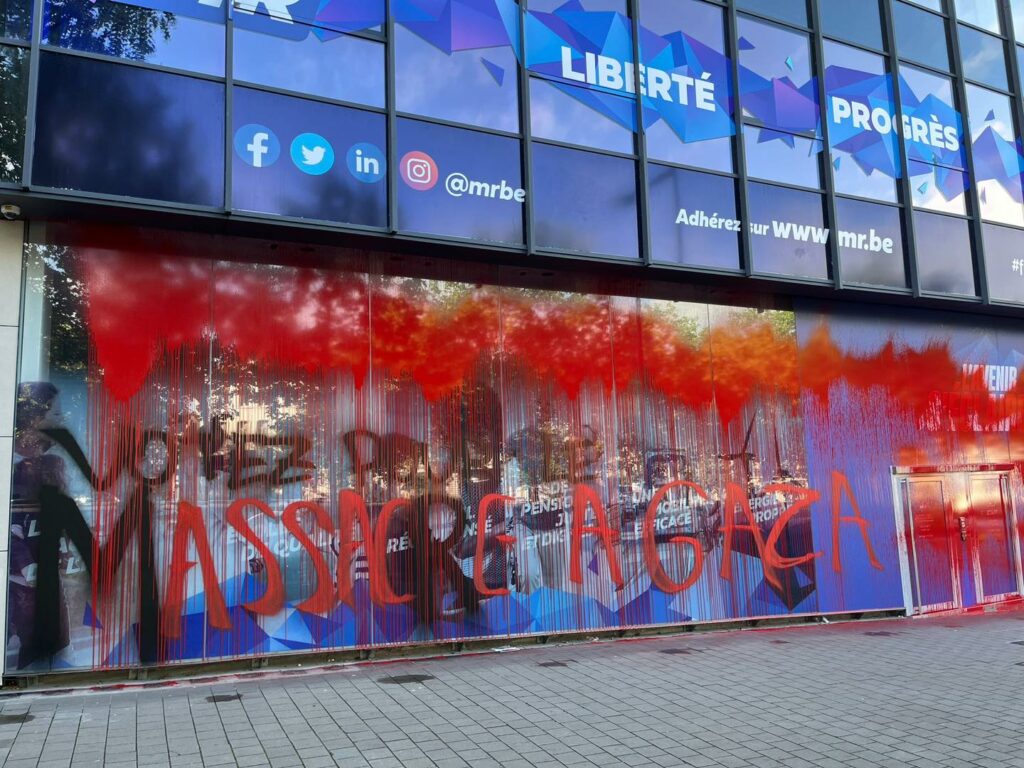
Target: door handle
{"type": "Point", "coordinates": [963, 527]}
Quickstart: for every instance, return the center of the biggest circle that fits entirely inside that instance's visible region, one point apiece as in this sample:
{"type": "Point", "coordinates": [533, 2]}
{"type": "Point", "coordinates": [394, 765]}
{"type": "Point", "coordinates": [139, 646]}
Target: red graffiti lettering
{"type": "Point", "coordinates": [190, 524]}
{"type": "Point", "coordinates": [654, 565]}
{"type": "Point", "coordinates": [322, 600]}
{"type": "Point", "coordinates": [385, 594]}
{"type": "Point", "coordinates": [805, 497]}
{"type": "Point", "coordinates": [273, 598]}
{"type": "Point", "coordinates": [582, 496]}
{"type": "Point", "coordinates": [736, 496]}
{"type": "Point", "coordinates": [841, 485]}
{"type": "Point", "coordinates": [481, 535]}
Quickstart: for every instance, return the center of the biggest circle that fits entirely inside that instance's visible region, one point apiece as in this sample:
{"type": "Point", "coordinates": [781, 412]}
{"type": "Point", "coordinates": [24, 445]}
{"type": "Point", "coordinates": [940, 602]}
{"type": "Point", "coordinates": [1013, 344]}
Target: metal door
{"type": "Point", "coordinates": [958, 544]}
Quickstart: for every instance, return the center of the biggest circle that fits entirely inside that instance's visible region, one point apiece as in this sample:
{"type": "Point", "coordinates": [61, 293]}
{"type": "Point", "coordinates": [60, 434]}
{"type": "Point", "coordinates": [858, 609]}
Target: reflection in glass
{"type": "Point", "coordinates": [865, 156]}
{"type": "Point", "coordinates": [870, 241]}
{"type": "Point", "coordinates": [980, 13]}
{"type": "Point", "coordinates": [784, 157]}
{"type": "Point", "coordinates": [998, 161]}
{"type": "Point", "coordinates": [788, 233]}
{"type": "Point", "coordinates": [13, 106]}
{"type": "Point", "coordinates": [982, 58]}
{"type": "Point", "coordinates": [556, 115]}
{"type": "Point", "coordinates": [920, 36]}
{"type": "Point", "coordinates": [168, 131]}
{"type": "Point", "coordinates": [944, 261]}
{"type": "Point", "coordinates": [355, 72]}
{"type": "Point", "coordinates": [1017, 9]}
{"type": "Point", "coordinates": [477, 86]}
{"type": "Point", "coordinates": [1004, 263]}
{"type": "Point", "coordinates": [16, 19]}
{"type": "Point", "coordinates": [584, 202]}
{"type": "Point", "coordinates": [138, 34]}
{"type": "Point", "coordinates": [857, 22]}
{"type": "Point", "coordinates": [793, 11]}
{"type": "Point", "coordinates": [693, 218]}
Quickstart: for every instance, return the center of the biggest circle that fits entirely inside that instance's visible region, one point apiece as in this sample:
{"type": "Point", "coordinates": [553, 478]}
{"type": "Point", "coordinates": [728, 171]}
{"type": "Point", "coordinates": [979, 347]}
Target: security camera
{"type": "Point", "coordinates": [10, 212]}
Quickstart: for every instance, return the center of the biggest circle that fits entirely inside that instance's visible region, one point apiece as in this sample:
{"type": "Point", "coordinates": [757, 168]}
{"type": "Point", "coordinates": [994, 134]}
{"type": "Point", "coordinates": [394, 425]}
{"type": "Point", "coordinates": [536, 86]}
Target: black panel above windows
{"type": "Point", "coordinates": [944, 262]}
{"type": "Point", "coordinates": [118, 130]}
{"type": "Point", "coordinates": [584, 202]}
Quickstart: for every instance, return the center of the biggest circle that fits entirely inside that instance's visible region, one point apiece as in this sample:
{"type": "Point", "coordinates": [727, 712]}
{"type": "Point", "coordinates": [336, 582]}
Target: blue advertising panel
{"type": "Point", "coordinates": [584, 202]}
{"type": "Point", "coordinates": [117, 130]}
{"type": "Point", "coordinates": [308, 160]}
{"type": "Point", "coordinates": [693, 219]}
{"type": "Point", "coordinates": [870, 244]}
{"type": "Point", "coordinates": [787, 232]}
{"type": "Point", "coordinates": [861, 119]}
{"type": "Point", "coordinates": [998, 160]}
{"type": "Point", "coordinates": [340, 67]}
{"type": "Point", "coordinates": [287, 18]}
{"type": "Point", "coordinates": [459, 183]}
{"type": "Point", "coordinates": [779, 94]}
{"type": "Point", "coordinates": [457, 60]}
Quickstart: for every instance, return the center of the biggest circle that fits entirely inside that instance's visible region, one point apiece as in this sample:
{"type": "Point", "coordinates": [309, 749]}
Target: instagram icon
{"type": "Point", "coordinates": [419, 170]}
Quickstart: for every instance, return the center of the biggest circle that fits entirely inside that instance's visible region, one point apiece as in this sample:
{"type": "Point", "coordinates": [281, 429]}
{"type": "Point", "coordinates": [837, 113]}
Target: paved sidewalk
{"type": "Point", "coordinates": [928, 693]}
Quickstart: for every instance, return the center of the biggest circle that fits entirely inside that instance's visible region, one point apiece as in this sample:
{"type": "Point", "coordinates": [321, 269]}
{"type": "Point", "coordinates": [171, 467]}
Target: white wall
{"type": "Point", "coordinates": [11, 243]}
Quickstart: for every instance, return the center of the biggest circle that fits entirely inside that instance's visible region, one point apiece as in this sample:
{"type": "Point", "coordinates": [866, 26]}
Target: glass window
{"type": "Point", "coordinates": [697, 132]}
{"type": "Point", "coordinates": [857, 22]}
{"type": "Point", "coordinates": [584, 202]}
{"type": "Point", "coordinates": [16, 19]}
{"type": "Point", "coordinates": [862, 124]}
{"type": "Point", "coordinates": [980, 13]}
{"type": "Point", "coordinates": [138, 34]}
{"type": "Point", "coordinates": [785, 157]}
{"type": "Point", "coordinates": [111, 129]}
{"type": "Point", "coordinates": [779, 96]}
{"type": "Point", "coordinates": [997, 156]}
{"type": "Point", "coordinates": [306, 159]}
{"type": "Point", "coordinates": [355, 74]}
{"type": "Point", "coordinates": [870, 241]}
{"type": "Point", "coordinates": [13, 106]}
{"type": "Point", "coordinates": [933, 134]}
{"type": "Point", "coordinates": [935, 5]}
{"type": "Point", "coordinates": [787, 232]}
{"type": "Point", "coordinates": [459, 67]}
{"type": "Point", "coordinates": [982, 58]}
{"type": "Point", "coordinates": [793, 11]}
{"type": "Point", "coordinates": [920, 36]}
{"type": "Point", "coordinates": [693, 218]}
{"type": "Point", "coordinates": [944, 261]}
{"type": "Point", "coordinates": [1004, 263]}
{"type": "Point", "coordinates": [574, 115]}
{"type": "Point", "coordinates": [459, 183]}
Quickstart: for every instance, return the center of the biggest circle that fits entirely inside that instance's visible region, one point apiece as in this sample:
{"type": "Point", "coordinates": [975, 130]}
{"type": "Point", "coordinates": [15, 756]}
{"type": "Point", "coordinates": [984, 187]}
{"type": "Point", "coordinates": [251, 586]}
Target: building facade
{"type": "Point", "coordinates": [344, 324]}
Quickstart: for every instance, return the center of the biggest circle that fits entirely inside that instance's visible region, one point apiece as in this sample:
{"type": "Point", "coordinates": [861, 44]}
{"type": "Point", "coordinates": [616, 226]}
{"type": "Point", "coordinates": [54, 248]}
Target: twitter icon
{"type": "Point", "coordinates": [312, 154]}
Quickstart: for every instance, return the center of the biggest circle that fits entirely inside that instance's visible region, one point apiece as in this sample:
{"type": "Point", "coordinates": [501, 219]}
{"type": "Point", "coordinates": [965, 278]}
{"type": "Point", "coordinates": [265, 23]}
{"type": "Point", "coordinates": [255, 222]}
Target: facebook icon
{"type": "Point", "coordinates": [257, 145]}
